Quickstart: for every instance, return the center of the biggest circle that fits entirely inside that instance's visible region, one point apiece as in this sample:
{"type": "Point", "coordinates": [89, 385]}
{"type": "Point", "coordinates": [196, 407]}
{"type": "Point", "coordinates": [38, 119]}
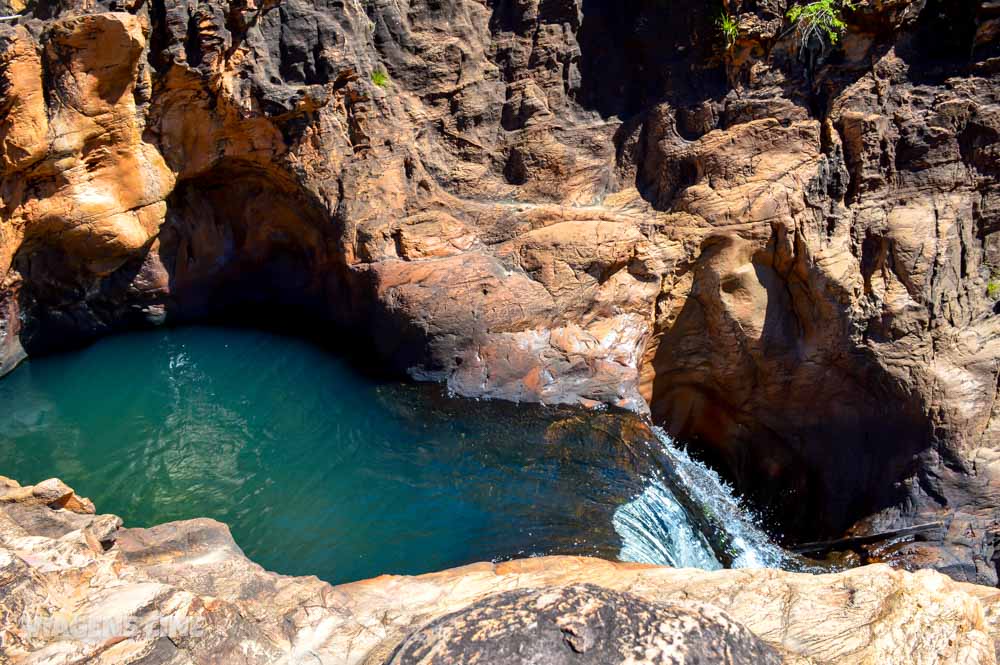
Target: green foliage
{"type": "Point", "coordinates": [993, 286]}
{"type": "Point", "coordinates": [823, 19]}
{"type": "Point", "coordinates": [730, 28]}
{"type": "Point", "coordinates": [380, 78]}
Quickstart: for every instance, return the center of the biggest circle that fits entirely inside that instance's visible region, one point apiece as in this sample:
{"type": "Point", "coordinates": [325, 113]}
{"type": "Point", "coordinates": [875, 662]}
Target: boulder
{"type": "Point", "coordinates": [582, 623]}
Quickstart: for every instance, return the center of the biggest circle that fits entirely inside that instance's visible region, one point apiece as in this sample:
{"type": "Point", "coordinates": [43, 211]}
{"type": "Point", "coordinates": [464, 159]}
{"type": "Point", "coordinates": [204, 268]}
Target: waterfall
{"type": "Point", "coordinates": [656, 528]}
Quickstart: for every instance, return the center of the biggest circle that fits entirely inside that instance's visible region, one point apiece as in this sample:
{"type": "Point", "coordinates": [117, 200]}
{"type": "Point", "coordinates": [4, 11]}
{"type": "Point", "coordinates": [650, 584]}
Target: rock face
{"type": "Point", "coordinates": [582, 624]}
{"type": "Point", "coordinates": [784, 252]}
{"type": "Point", "coordinates": [74, 587]}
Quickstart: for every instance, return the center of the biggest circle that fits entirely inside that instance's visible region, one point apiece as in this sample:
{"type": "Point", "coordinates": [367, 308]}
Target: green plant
{"type": "Point", "coordinates": [822, 19]}
{"type": "Point", "coordinates": [380, 78]}
{"type": "Point", "coordinates": [993, 286]}
{"type": "Point", "coordinates": [730, 28]}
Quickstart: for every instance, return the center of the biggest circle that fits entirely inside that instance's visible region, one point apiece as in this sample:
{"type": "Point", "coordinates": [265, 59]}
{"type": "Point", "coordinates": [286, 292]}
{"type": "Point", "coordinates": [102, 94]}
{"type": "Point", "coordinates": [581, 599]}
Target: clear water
{"type": "Point", "coordinates": [656, 528]}
{"type": "Point", "coordinates": [319, 469]}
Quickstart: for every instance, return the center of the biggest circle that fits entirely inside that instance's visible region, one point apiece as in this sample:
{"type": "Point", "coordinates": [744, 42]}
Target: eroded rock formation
{"type": "Point", "coordinates": [75, 587]}
{"type": "Point", "coordinates": [784, 253]}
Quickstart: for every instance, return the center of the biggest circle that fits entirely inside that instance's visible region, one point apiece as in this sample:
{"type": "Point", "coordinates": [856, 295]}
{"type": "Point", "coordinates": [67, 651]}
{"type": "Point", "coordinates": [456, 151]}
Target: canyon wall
{"type": "Point", "coordinates": [788, 254]}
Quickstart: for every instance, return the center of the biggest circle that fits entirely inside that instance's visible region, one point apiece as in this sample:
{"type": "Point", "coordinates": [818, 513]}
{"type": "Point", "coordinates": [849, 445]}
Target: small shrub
{"type": "Point", "coordinates": [380, 78]}
{"type": "Point", "coordinates": [730, 28]}
{"type": "Point", "coordinates": [822, 19]}
{"type": "Point", "coordinates": [993, 286]}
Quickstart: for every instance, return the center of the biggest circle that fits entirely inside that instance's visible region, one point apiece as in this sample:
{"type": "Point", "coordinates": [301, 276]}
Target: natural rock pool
{"type": "Point", "coordinates": [320, 469]}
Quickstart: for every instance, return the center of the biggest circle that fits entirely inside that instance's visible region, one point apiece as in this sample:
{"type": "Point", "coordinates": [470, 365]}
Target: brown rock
{"type": "Point", "coordinates": [53, 493]}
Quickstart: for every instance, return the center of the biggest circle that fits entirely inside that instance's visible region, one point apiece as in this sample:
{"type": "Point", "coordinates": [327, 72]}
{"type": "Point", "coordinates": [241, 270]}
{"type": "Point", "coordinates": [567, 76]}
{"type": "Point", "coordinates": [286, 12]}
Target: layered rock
{"type": "Point", "coordinates": [75, 587]}
{"type": "Point", "coordinates": [783, 252]}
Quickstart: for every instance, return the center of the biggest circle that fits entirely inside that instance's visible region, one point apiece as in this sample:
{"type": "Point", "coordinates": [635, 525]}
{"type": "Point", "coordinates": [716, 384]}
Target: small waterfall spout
{"type": "Point", "coordinates": [658, 526]}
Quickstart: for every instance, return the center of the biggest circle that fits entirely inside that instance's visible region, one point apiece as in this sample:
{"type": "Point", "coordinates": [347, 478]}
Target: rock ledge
{"type": "Point", "coordinates": [75, 587]}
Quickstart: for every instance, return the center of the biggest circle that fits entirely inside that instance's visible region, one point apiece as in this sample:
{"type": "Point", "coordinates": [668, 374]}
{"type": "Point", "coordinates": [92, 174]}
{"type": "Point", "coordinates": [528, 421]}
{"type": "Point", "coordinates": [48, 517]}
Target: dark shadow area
{"type": "Point", "coordinates": [639, 53]}
{"type": "Point", "coordinates": [69, 327]}
{"type": "Point", "coordinates": [239, 246]}
{"type": "Point", "coordinates": [940, 45]}
{"type": "Point", "coordinates": [240, 236]}
{"type": "Point", "coordinates": [815, 439]}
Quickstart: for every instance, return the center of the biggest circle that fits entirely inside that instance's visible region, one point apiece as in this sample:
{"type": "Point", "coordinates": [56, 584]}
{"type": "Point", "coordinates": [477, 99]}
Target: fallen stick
{"type": "Point", "coordinates": [855, 541]}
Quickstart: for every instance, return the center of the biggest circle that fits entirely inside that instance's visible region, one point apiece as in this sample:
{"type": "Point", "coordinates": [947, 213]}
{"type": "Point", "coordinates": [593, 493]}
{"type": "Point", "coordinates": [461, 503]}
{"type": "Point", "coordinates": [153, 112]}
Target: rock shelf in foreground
{"type": "Point", "coordinates": [75, 587]}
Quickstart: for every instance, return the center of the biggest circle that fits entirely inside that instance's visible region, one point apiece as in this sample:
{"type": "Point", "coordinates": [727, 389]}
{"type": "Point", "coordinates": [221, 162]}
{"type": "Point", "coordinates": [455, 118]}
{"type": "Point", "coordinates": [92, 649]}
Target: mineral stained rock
{"type": "Point", "coordinates": [74, 587]}
{"type": "Point", "coordinates": [788, 254]}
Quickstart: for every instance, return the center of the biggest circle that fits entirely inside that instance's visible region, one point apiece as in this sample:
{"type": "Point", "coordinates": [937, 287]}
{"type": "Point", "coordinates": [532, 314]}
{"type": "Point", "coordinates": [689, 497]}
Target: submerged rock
{"type": "Point", "coordinates": [184, 593]}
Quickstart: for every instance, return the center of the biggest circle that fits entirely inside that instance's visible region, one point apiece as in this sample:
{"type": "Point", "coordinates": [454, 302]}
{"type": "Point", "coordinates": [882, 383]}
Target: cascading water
{"type": "Point", "coordinates": [656, 528]}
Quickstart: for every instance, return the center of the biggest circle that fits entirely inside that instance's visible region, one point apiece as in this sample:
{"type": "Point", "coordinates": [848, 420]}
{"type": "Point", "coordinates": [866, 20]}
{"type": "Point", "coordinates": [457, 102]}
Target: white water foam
{"type": "Point", "coordinates": [654, 527]}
